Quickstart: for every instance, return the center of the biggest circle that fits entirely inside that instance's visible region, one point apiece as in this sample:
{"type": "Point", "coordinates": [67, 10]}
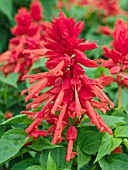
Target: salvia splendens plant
{"type": "Point", "coordinates": [71, 93]}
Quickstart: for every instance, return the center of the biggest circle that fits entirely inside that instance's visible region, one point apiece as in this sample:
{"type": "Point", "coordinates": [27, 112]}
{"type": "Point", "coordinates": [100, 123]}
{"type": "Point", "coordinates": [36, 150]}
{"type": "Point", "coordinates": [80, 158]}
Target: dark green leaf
{"type": "Point", "coordinates": [35, 167]}
{"type": "Point", "coordinates": [23, 164]}
{"type": "Point", "coordinates": [42, 143]}
{"type": "Point", "coordinates": [82, 158]}
{"type": "Point", "coordinates": [114, 162]}
{"type": "Point", "coordinates": [58, 156]}
{"type": "Point", "coordinates": [89, 139]}
{"type": "Point", "coordinates": [10, 143]}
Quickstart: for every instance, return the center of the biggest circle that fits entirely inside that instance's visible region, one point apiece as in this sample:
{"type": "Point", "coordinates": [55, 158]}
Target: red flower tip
{"type": "Point", "coordinates": [36, 10]}
{"type": "Point", "coordinates": [71, 133]}
{"type": "Point", "coordinates": [8, 115]}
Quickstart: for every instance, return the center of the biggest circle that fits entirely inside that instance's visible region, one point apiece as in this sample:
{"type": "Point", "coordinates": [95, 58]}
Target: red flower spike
{"type": "Point", "coordinates": [71, 137]}
{"type": "Point", "coordinates": [28, 34]}
{"type": "Point", "coordinates": [118, 56]}
{"type": "Point", "coordinates": [70, 93]}
{"type": "Point", "coordinates": [36, 10]}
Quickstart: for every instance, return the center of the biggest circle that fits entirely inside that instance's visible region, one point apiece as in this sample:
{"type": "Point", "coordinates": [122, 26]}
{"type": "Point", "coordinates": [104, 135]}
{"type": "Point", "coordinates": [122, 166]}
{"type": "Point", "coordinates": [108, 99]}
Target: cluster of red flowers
{"type": "Point", "coordinates": [118, 56]}
{"type": "Point", "coordinates": [72, 93]}
{"type": "Point", "coordinates": [28, 35]}
{"type": "Point", "coordinates": [108, 7]}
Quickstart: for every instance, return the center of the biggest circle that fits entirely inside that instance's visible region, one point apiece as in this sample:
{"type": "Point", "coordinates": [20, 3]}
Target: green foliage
{"type": "Point", "coordinates": [6, 8]}
{"type": "Point", "coordinates": [11, 79]}
{"type": "Point", "coordinates": [89, 139]}
{"type": "Point", "coordinates": [58, 156]}
{"type": "Point", "coordinates": [37, 145]}
{"type": "Point", "coordinates": [114, 162]}
{"type": "Point", "coordinates": [109, 143]}
{"type": "Point", "coordinates": [10, 143]}
{"type": "Point", "coordinates": [121, 131]}
{"type": "Point", "coordinates": [82, 158]}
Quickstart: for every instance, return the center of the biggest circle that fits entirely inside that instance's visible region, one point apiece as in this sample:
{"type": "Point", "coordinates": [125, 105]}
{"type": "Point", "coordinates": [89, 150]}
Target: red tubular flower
{"type": "Point", "coordinates": [118, 56]}
{"type": "Point", "coordinates": [70, 92]}
{"type": "Point", "coordinates": [28, 35]}
{"type": "Point", "coordinates": [71, 137]}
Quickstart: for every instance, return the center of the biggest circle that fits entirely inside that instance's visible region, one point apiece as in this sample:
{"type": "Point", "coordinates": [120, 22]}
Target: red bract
{"type": "Point", "coordinates": [118, 56]}
{"type": "Point", "coordinates": [70, 93]}
{"type": "Point", "coordinates": [28, 35]}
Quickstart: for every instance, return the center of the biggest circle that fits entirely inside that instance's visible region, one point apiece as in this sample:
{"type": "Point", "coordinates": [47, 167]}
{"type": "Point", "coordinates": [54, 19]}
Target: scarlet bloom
{"type": "Point", "coordinates": [71, 92]}
{"type": "Point", "coordinates": [118, 56]}
{"type": "Point", "coordinates": [28, 34]}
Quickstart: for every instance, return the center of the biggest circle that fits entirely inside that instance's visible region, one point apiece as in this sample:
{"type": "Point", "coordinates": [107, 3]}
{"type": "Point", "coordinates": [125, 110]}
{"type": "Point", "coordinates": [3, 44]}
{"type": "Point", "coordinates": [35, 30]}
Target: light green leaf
{"type": "Point", "coordinates": [6, 8]}
{"type": "Point", "coordinates": [113, 121]}
{"type": "Point", "coordinates": [35, 167]}
{"type": "Point", "coordinates": [16, 119]}
{"type": "Point", "coordinates": [39, 63]}
{"type": "Point", "coordinates": [42, 143]}
{"type": "Point", "coordinates": [89, 139]}
{"type": "Point", "coordinates": [82, 158]}
{"type": "Point", "coordinates": [10, 143]}
{"type": "Point", "coordinates": [50, 163]}
{"type": "Point", "coordinates": [109, 143]}
{"type": "Point", "coordinates": [114, 162]}
{"type": "Point", "coordinates": [121, 131]}
{"type": "Point", "coordinates": [11, 79]}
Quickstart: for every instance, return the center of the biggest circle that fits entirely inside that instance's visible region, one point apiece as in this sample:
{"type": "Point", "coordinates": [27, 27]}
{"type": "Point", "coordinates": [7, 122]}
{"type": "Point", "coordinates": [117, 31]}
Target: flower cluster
{"type": "Point", "coordinates": [117, 61]}
{"type": "Point", "coordinates": [28, 35]}
{"type": "Point", "coordinates": [71, 93]}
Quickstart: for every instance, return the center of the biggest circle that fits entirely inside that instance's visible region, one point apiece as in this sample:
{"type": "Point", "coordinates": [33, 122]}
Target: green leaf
{"type": "Point", "coordinates": [113, 121]}
{"type": "Point", "coordinates": [58, 156]}
{"type": "Point", "coordinates": [6, 8]}
{"type": "Point", "coordinates": [121, 131]}
{"type": "Point", "coordinates": [16, 119]}
{"type": "Point", "coordinates": [82, 158]}
{"type": "Point", "coordinates": [39, 63]}
{"type": "Point", "coordinates": [11, 79]}
{"type": "Point", "coordinates": [23, 164]}
{"type": "Point", "coordinates": [35, 167]}
{"type": "Point", "coordinates": [42, 143]}
{"type": "Point", "coordinates": [89, 139]}
{"type": "Point", "coordinates": [3, 38]}
{"type": "Point", "coordinates": [109, 143]}
{"type": "Point", "coordinates": [114, 162]}
{"type": "Point", "coordinates": [50, 163]}
{"type": "Point", "coordinates": [10, 143]}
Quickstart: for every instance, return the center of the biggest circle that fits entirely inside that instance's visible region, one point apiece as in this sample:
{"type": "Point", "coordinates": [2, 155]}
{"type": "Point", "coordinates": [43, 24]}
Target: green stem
{"type": "Point", "coordinates": [119, 96]}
